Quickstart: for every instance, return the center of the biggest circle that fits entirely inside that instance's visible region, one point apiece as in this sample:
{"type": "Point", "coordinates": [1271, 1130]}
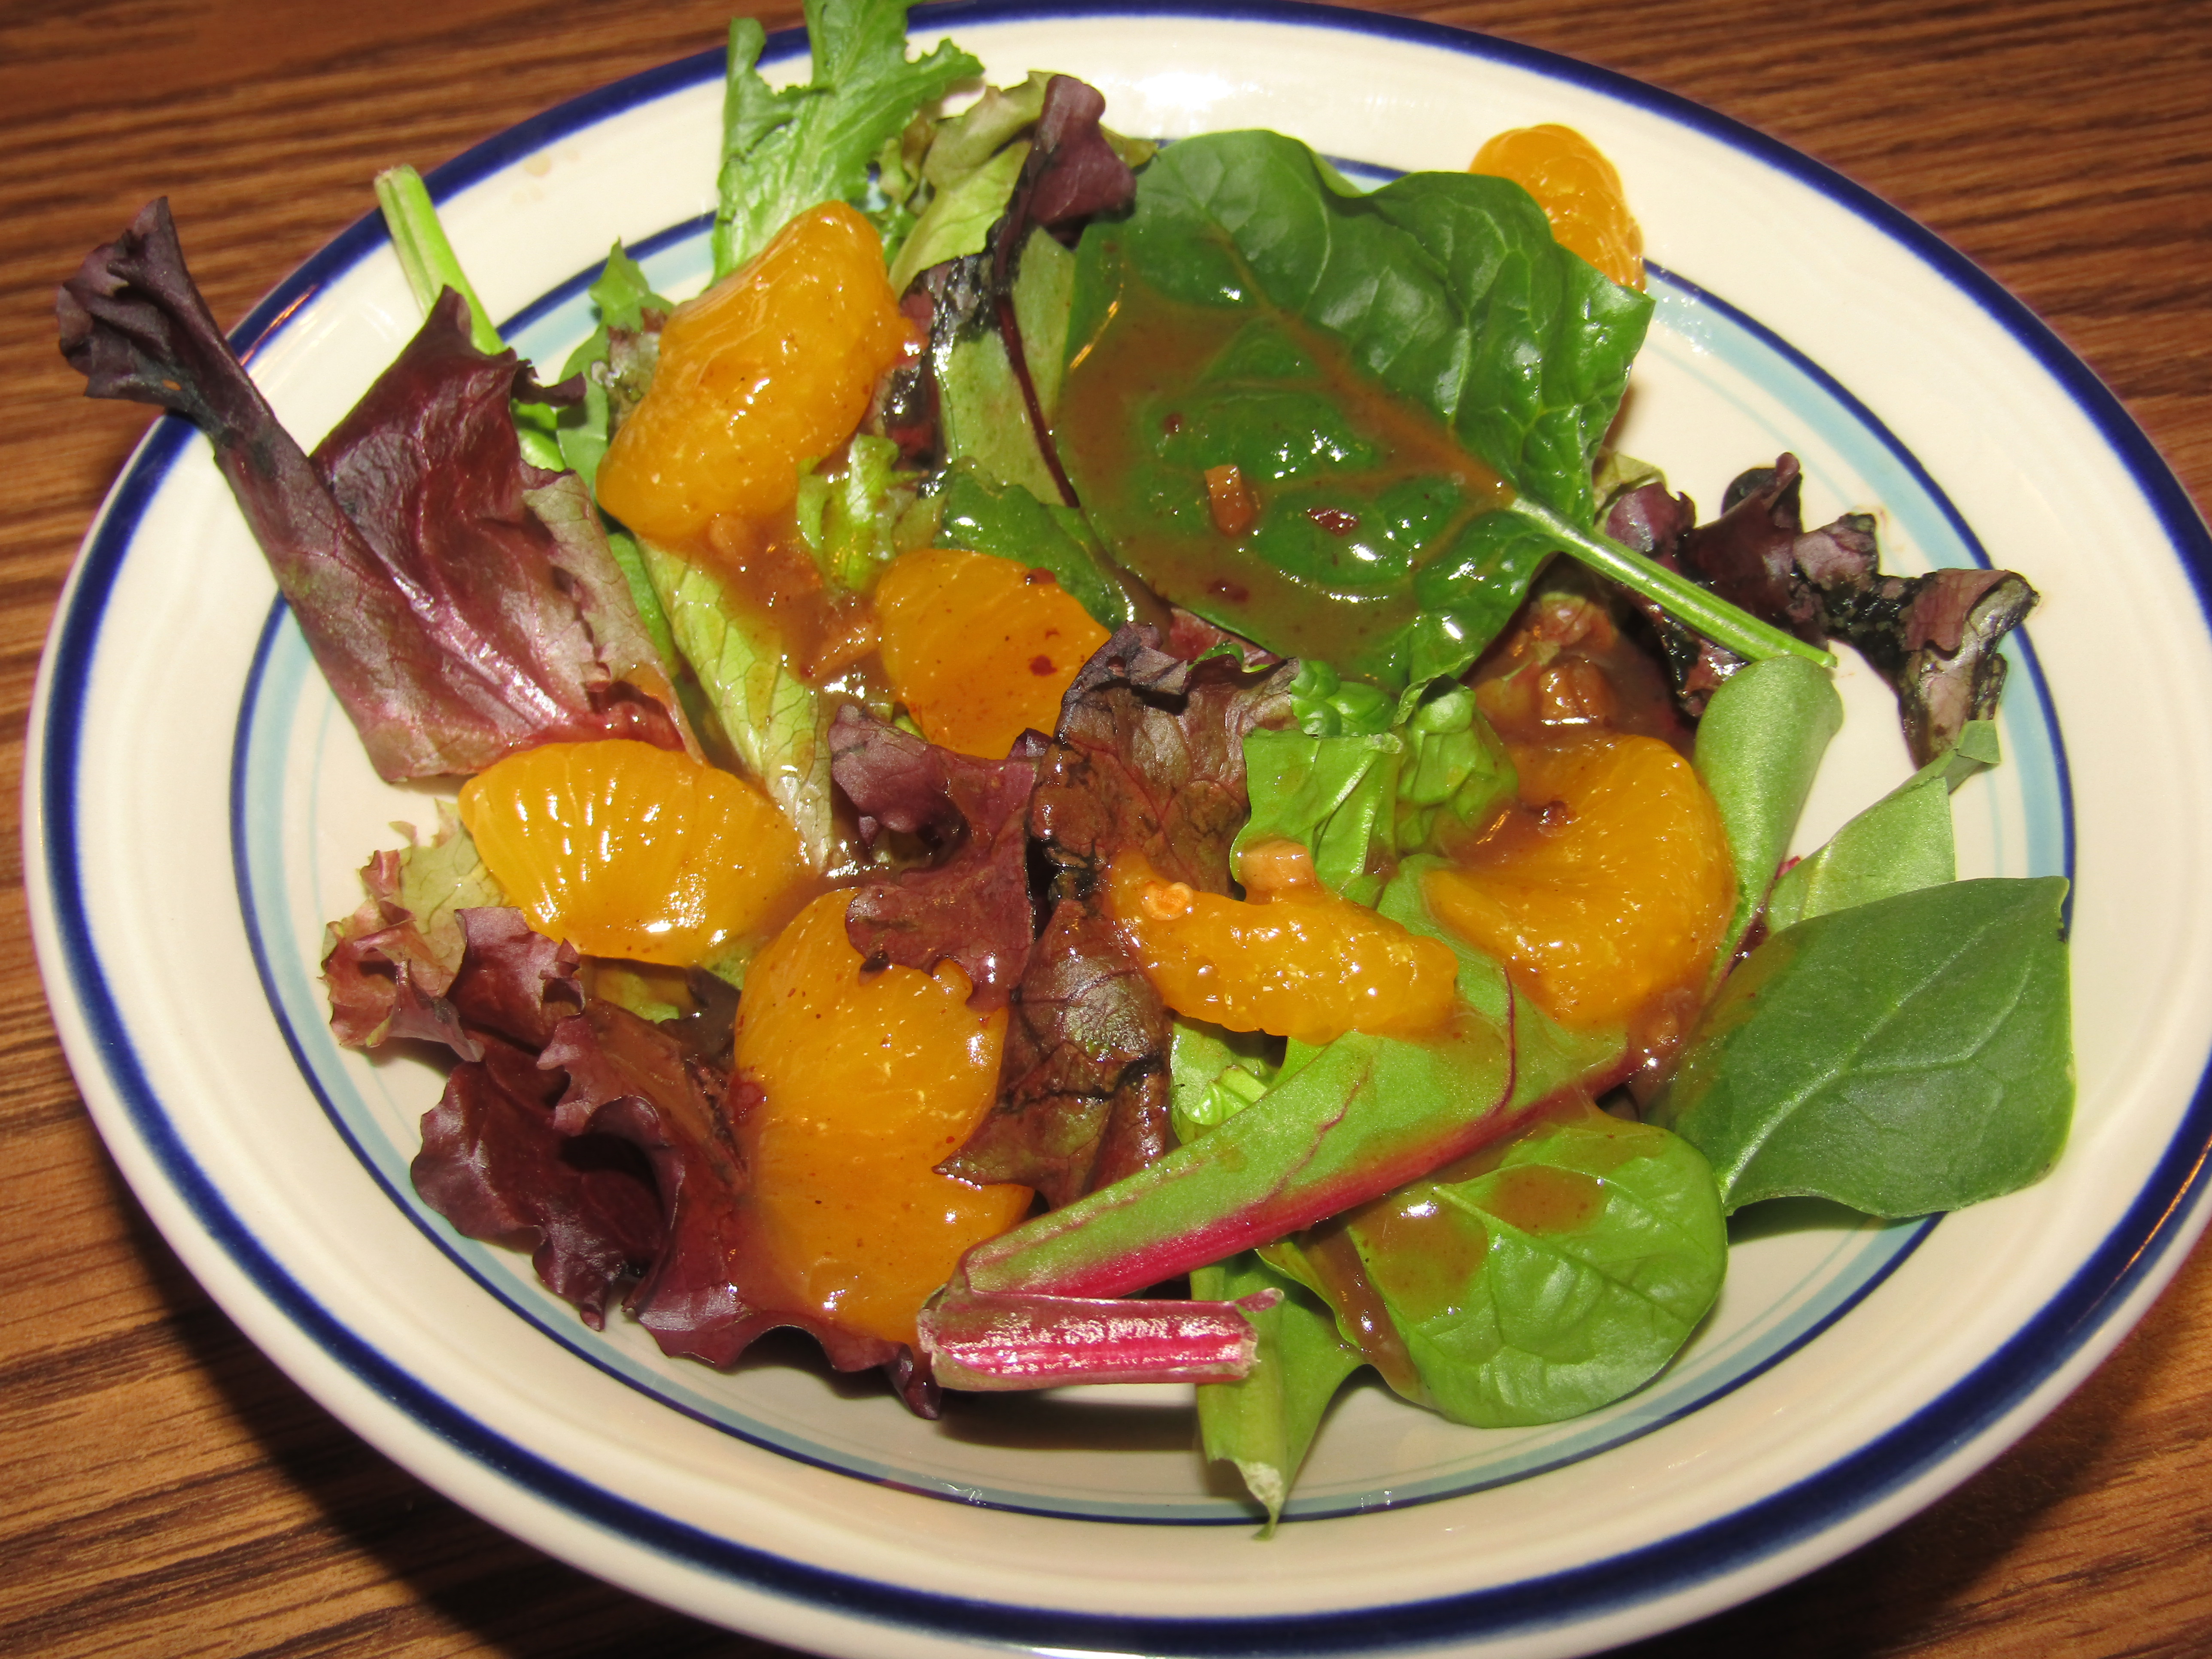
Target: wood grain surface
{"type": "Point", "coordinates": [167, 1492]}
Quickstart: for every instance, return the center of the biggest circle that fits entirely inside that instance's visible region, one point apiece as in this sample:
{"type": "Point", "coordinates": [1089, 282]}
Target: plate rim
{"type": "Point", "coordinates": [2071, 1331]}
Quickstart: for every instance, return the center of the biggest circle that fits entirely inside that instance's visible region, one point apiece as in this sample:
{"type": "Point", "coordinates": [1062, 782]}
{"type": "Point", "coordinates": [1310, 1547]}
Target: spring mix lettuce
{"type": "Point", "coordinates": [1307, 456]}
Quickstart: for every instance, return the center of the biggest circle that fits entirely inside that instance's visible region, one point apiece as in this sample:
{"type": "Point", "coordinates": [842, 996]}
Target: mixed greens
{"type": "Point", "coordinates": [1420, 379]}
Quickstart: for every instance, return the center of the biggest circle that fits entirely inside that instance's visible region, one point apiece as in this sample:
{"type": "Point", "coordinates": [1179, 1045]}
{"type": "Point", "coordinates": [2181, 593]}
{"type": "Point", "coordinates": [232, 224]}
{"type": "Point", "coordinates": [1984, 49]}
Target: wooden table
{"type": "Point", "coordinates": [167, 1492]}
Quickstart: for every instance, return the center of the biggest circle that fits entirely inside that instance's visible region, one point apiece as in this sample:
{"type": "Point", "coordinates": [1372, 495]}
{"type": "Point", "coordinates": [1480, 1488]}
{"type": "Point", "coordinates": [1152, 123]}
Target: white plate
{"type": "Point", "coordinates": [196, 807]}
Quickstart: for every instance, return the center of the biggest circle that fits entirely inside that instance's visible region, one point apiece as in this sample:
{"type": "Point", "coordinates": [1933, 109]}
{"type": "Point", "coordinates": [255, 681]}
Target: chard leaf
{"type": "Point", "coordinates": [784, 152]}
{"type": "Point", "coordinates": [1008, 521]}
{"type": "Point", "coordinates": [1555, 1283]}
{"type": "Point", "coordinates": [1906, 1056]}
{"type": "Point", "coordinates": [1902, 841]}
{"type": "Point", "coordinates": [1758, 746]}
{"type": "Point", "coordinates": [1265, 1423]}
{"type": "Point", "coordinates": [1342, 1124]}
{"type": "Point", "coordinates": [775, 722]}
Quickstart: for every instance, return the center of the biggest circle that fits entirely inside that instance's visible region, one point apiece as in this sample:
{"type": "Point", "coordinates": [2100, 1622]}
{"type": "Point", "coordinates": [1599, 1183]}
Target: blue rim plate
{"type": "Point", "coordinates": [1851, 1373]}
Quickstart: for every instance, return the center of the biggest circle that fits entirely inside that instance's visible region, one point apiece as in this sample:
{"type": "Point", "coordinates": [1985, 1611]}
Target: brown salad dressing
{"type": "Point", "coordinates": [1120, 399]}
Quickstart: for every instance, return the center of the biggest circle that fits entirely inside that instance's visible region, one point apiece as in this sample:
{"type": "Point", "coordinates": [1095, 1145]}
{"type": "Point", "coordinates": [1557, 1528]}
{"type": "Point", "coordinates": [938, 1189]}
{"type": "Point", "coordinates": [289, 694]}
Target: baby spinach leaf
{"type": "Point", "coordinates": [1902, 841]}
{"type": "Point", "coordinates": [1906, 1056]}
{"type": "Point", "coordinates": [1758, 746]}
{"type": "Point", "coordinates": [1555, 1283]}
{"type": "Point", "coordinates": [1446, 288]}
{"type": "Point", "coordinates": [1265, 1423]}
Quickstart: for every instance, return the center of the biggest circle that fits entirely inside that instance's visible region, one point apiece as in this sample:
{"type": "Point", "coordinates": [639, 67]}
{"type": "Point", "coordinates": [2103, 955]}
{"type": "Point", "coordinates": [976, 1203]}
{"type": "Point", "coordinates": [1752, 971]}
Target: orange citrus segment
{"type": "Point", "coordinates": [1612, 887]}
{"type": "Point", "coordinates": [772, 367]}
{"type": "Point", "coordinates": [1579, 192]}
{"type": "Point", "coordinates": [626, 850]}
{"type": "Point", "coordinates": [866, 1083]}
{"type": "Point", "coordinates": [978, 648]}
{"type": "Point", "coordinates": [1296, 962]}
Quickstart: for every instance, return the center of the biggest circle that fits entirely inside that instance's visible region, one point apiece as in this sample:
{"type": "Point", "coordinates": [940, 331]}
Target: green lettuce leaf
{"type": "Point", "coordinates": [1265, 1423]}
{"type": "Point", "coordinates": [786, 151]}
{"type": "Point", "coordinates": [776, 724]}
{"type": "Point", "coordinates": [1902, 1057]}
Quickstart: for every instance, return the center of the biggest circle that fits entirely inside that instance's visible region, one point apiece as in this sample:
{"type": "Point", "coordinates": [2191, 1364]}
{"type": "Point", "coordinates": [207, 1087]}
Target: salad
{"type": "Point", "coordinates": [1088, 770]}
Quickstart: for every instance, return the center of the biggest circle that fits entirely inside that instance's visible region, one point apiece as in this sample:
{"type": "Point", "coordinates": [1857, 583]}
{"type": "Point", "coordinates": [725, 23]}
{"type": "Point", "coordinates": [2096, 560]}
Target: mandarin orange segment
{"type": "Point", "coordinates": [626, 850]}
{"type": "Point", "coordinates": [1296, 961]}
{"type": "Point", "coordinates": [979, 648]}
{"type": "Point", "coordinates": [1579, 192]}
{"type": "Point", "coordinates": [1612, 887]}
{"type": "Point", "coordinates": [770, 368]}
{"type": "Point", "coordinates": [866, 1082]}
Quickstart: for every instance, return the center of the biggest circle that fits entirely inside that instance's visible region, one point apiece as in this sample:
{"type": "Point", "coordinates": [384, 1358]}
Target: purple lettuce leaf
{"type": "Point", "coordinates": [972, 905]}
{"type": "Point", "coordinates": [494, 1165]}
{"type": "Point", "coordinates": [1933, 638]}
{"type": "Point", "coordinates": [439, 606]}
{"type": "Point", "coordinates": [1149, 757]}
{"type": "Point", "coordinates": [710, 1292]}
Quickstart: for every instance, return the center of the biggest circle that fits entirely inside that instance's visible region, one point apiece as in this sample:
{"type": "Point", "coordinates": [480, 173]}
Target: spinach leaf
{"type": "Point", "coordinates": [783, 152]}
{"type": "Point", "coordinates": [1265, 1423]}
{"type": "Point", "coordinates": [1447, 288]}
{"type": "Point", "coordinates": [1556, 1282]}
{"type": "Point", "coordinates": [1906, 1056]}
{"type": "Point", "coordinates": [1448, 292]}
{"type": "Point", "coordinates": [1758, 746]}
{"type": "Point", "coordinates": [1902, 841]}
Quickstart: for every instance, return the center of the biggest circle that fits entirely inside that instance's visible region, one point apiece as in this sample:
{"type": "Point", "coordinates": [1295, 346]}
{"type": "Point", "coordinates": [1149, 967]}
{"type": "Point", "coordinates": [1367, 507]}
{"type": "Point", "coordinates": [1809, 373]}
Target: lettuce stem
{"type": "Point", "coordinates": [432, 267]}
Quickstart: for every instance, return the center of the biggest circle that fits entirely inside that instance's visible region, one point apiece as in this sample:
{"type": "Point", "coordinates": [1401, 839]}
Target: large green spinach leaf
{"type": "Point", "coordinates": [1906, 1056]}
{"type": "Point", "coordinates": [1556, 1282]}
{"type": "Point", "coordinates": [1446, 288]}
